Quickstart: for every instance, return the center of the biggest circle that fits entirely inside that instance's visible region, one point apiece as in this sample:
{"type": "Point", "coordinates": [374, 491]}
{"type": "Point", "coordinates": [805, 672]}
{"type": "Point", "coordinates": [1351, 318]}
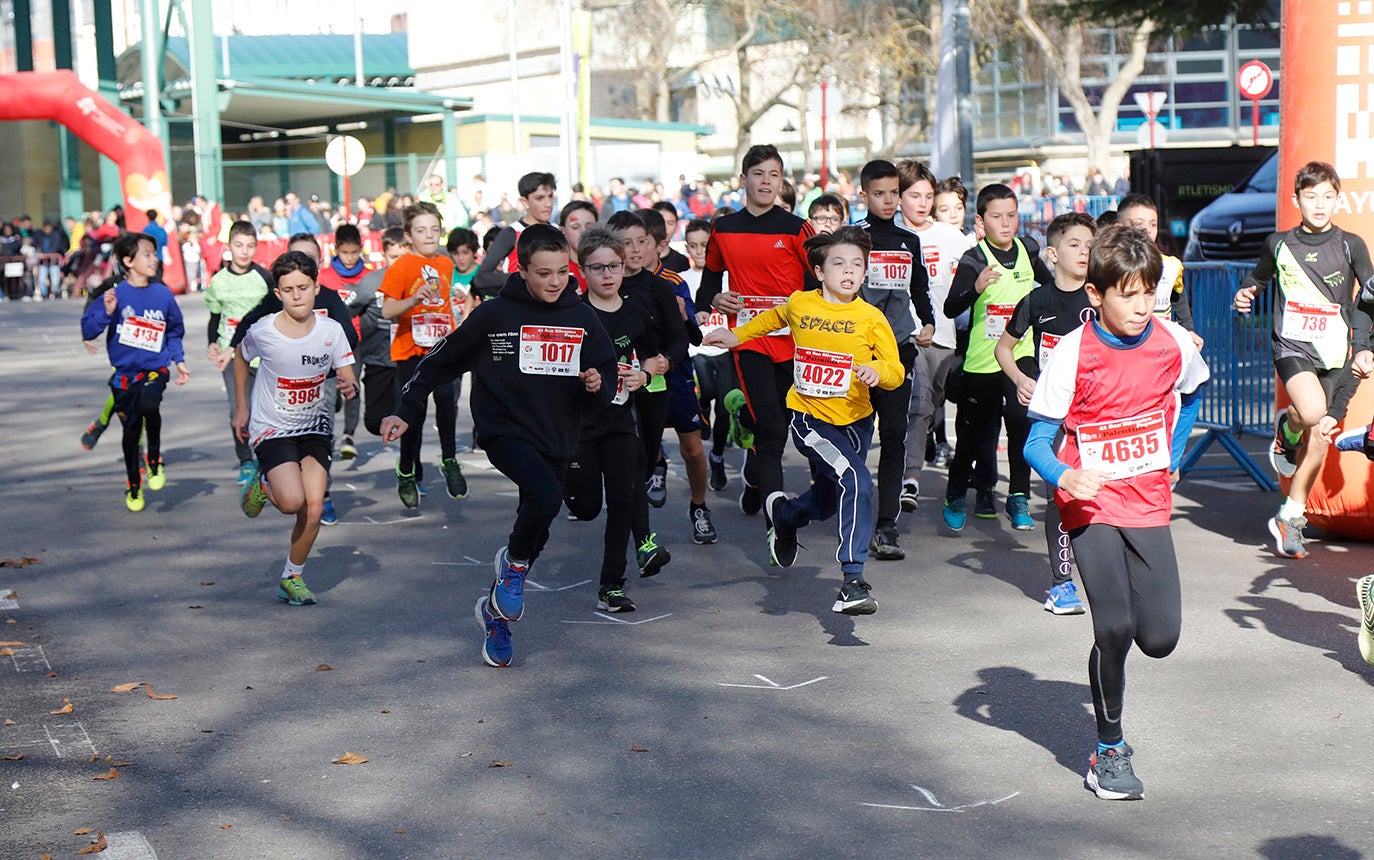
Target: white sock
{"type": "Point", "coordinates": [291, 570]}
{"type": "Point", "coordinates": [1291, 509]}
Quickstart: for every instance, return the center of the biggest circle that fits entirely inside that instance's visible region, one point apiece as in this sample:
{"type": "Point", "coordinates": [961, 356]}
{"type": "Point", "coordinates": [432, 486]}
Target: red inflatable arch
{"type": "Point", "coordinates": [61, 97]}
{"type": "Point", "coordinates": [1328, 75]}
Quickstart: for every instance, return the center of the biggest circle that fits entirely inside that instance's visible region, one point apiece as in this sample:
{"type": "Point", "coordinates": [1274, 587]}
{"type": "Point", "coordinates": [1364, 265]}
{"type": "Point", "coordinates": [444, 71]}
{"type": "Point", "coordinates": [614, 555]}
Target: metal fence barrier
{"type": "Point", "coordinates": [1239, 399]}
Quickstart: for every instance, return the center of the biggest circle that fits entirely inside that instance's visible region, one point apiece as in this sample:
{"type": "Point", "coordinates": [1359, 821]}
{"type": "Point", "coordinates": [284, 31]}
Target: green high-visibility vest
{"type": "Point", "coordinates": [998, 301]}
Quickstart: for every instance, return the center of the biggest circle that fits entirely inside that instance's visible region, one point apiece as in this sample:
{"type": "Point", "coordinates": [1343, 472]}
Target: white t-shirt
{"type": "Point", "coordinates": [288, 395]}
{"type": "Point", "coordinates": [693, 279]}
{"type": "Point", "coordinates": [941, 247]}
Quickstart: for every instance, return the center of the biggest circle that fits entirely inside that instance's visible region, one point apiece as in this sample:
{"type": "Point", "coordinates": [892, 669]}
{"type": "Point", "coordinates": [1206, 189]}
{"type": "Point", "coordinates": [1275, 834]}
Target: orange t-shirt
{"type": "Point", "coordinates": [428, 322]}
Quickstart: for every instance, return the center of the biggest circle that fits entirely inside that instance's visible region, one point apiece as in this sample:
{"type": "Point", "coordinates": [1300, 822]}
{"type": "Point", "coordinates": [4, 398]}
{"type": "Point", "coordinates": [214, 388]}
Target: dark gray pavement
{"type": "Point", "coordinates": [954, 723]}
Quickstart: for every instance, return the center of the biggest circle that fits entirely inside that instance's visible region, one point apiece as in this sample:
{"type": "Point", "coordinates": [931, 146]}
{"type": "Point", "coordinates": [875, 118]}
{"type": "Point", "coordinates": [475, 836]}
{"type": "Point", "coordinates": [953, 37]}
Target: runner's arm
{"type": "Point", "coordinates": [963, 291]}
{"type": "Point", "coordinates": [920, 286]}
{"type": "Point", "coordinates": [1189, 404]}
{"type": "Point", "coordinates": [212, 330]}
{"type": "Point", "coordinates": [1039, 449]}
{"type": "Point", "coordinates": [489, 279]}
{"type": "Point", "coordinates": [1263, 274]}
{"type": "Point", "coordinates": [94, 320]}
{"type": "Point", "coordinates": [455, 354]}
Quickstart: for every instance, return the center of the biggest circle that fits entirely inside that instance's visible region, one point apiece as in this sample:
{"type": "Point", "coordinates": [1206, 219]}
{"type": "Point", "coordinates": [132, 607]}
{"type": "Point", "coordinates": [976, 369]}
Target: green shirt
{"type": "Point", "coordinates": [232, 296]}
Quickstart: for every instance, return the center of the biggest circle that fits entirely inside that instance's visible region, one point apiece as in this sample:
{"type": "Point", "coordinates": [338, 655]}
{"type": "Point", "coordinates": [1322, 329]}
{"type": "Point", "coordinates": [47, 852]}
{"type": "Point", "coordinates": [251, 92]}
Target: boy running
{"type": "Point", "coordinates": [290, 423]}
{"type": "Point", "coordinates": [374, 335]}
{"type": "Point", "coordinates": [715, 368]}
{"type": "Point", "coordinates": [537, 199]}
{"type": "Point", "coordinates": [843, 348]}
{"type": "Point", "coordinates": [1050, 312]}
{"type": "Point", "coordinates": [1141, 212]}
{"type": "Point", "coordinates": [538, 356]}
{"type": "Point", "coordinates": [143, 336]}
{"type": "Point", "coordinates": [1124, 391]}
{"type": "Point", "coordinates": [347, 267]}
{"type": "Point", "coordinates": [1318, 325]}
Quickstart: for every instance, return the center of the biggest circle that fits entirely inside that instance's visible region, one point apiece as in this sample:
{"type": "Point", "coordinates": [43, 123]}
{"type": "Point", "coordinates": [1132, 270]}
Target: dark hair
{"type": "Point", "coordinates": [393, 236]}
{"type": "Point", "coordinates": [654, 224]}
{"type": "Point", "coordinates": [1315, 173]}
{"type": "Point", "coordinates": [829, 201]}
{"type": "Point", "coordinates": [820, 244]}
{"type": "Point", "coordinates": [696, 225]}
{"type": "Point", "coordinates": [758, 154]}
{"type": "Point", "coordinates": [1061, 224]}
{"type": "Point", "coordinates": [594, 239]}
{"type": "Point", "coordinates": [489, 237]}
{"type": "Point", "coordinates": [721, 212]}
{"type": "Point", "coordinates": [1120, 255]}
{"type": "Point", "coordinates": [151, 214]}
{"type": "Point", "coordinates": [665, 206]}
{"type": "Point", "coordinates": [573, 206]}
{"type": "Point", "coordinates": [878, 169]}
{"type": "Point", "coordinates": [995, 191]}
{"type": "Point", "coordinates": [242, 228]}
{"type": "Point", "coordinates": [347, 234]}
{"type": "Point", "coordinates": [532, 182]}
{"type": "Point", "coordinates": [416, 210]}
{"type": "Point", "coordinates": [126, 245]}
{"type": "Point", "coordinates": [303, 237]}
{"type": "Point", "coordinates": [788, 194]}
{"type": "Point", "coordinates": [1106, 219]}
{"type": "Point", "coordinates": [953, 185]}
{"type": "Point", "coordinates": [461, 237]}
{"type": "Point", "coordinates": [911, 171]}
{"type": "Point", "coordinates": [294, 261]}
{"type": "Point", "coordinates": [538, 238]}
{"type": "Point", "coordinates": [625, 219]}
{"type": "Point", "coordinates": [1134, 199]}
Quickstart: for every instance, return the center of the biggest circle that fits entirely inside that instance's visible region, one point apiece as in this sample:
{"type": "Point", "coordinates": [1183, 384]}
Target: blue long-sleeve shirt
{"type": "Point", "coordinates": [145, 331]}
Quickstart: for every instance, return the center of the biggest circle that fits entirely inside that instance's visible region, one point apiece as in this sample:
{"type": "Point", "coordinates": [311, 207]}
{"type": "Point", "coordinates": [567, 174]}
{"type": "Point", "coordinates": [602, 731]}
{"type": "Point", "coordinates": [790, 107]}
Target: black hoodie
{"type": "Point", "coordinates": [541, 409]}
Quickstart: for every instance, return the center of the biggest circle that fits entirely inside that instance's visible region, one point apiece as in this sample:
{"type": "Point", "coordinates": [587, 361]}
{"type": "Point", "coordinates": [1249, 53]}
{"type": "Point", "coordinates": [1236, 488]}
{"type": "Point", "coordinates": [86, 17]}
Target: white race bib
{"type": "Point", "coordinates": [820, 373]}
{"type": "Point", "coordinates": [996, 320]}
{"type": "Point", "coordinates": [889, 270]}
{"type": "Point", "coordinates": [1308, 322]}
{"type": "Point", "coordinates": [752, 306]}
{"type": "Point", "coordinates": [1125, 447]}
{"type": "Point", "coordinates": [1047, 344]}
{"type": "Point", "coordinates": [428, 329]}
{"type": "Point", "coordinates": [930, 255]}
{"type": "Point", "coordinates": [301, 394]}
{"type": "Point", "coordinates": [547, 350]}
{"type": "Point", "coordinates": [142, 333]}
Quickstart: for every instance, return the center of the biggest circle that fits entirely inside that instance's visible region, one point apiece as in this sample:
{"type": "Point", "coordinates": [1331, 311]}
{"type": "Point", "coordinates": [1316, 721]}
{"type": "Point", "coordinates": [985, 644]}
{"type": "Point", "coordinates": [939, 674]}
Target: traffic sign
{"type": "Point", "coordinates": [1151, 133]}
{"type": "Point", "coordinates": [1255, 80]}
{"type": "Point", "coordinates": [1151, 103]}
{"type": "Point", "coordinates": [345, 155]}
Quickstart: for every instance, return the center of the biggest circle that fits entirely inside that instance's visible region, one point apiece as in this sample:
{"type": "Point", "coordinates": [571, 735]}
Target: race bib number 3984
{"type": "Point", "coordinates": [551, 350]}
{"type": "Point", "coordinates": [300, 394]}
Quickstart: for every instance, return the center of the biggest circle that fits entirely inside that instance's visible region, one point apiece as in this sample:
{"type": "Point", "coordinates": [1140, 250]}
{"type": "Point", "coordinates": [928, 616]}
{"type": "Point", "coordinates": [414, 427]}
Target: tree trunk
{"type": "Point", "coordinates": [745, 134]}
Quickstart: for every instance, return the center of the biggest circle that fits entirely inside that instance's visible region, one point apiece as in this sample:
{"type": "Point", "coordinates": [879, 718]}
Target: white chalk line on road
{"type": "Point", "coordinates": [127, 845]}
{"type": "Point", "coordinates": [769, 684]}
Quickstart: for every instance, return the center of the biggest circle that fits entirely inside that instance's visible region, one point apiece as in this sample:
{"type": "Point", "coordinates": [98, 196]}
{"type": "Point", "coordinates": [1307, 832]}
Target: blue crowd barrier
{"type": "Point", "coordinates": [1240, 397]}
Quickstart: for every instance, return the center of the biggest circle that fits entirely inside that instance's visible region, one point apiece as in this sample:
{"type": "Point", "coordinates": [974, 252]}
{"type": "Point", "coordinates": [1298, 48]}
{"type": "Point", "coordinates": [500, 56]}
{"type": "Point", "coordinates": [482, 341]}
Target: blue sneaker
{"type": "Point", "coordinates": [496, 650]}
{"type": "Point", "coordinates": [508, 591]}
{"type": "Point", "coordinates": [956, 512]}
{"type": "Point", "coordinates": [327, 516]}
{"type": "Point", "coordinates": [1063, 600]}
{"type": "Point", "coordinates": [1018, 508]}
{"type": "Point", "coordinates": [248, 470]}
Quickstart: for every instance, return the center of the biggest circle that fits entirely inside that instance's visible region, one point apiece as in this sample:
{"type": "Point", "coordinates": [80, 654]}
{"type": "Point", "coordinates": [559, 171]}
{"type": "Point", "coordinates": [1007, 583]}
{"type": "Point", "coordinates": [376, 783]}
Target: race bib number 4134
{"type": "Point", "coordinates": [551, 350]}
{"type": "Point", "coordinates": [142, 333]}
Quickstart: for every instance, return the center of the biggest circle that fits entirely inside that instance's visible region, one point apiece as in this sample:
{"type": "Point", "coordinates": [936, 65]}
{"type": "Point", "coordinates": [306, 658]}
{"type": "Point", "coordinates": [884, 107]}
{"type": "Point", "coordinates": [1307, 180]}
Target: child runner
{"type": "Point", "coordinates": [537, 199]}
{"type": "Point", "coordinates": [608, 449]}
{"type": "Point", "coordinates": [1124, 391]}
{"type": "Point", "coordinates": [573, 218]}
{"type": "Point", "coordinates": [951, 203]}
{"type": "Point", "coordinates": [898, 284]}
{"type": "Point", "coordinates": [844, 347]}
{"type": "Point", "coordinates": [991, 279]}
{"type": "Point", "coordinates": [670, 258]}
{"type": "Point", "coordinates": [416, 295]}
{"type": "Point", "coordinates": [538, 357]}
{"type": "Point", "coordinates": [1141, 212]}
{"type": "Point", "coordinates": [290, 423]}
{"type": "Point", "coordinates": [375, 334]}
{"type": "Point", "coordinates": [234, 291]}
{"type": "Point", "coordinates": [715, 369]}
{"type": "Point", "coordinates": [1049, 313]}
{"type": "Point", "coordinates": [827, 213]}
{"type": "Point", "coordinates": [1317, 320]}
{"type": "Point", "coordinates": [347, 267]}
{"type": "Point", "coordinates": [143, 336]}
{"type": "Point", "coordinates": [102, 421]}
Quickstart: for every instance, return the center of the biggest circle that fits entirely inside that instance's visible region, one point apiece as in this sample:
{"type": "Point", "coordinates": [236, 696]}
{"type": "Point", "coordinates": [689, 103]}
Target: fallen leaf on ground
{"type": "Point", "coordinates": [122, 764]}
{"type": "Point", "coordinates": [20, 562]}
{"type": "Point", "coordinates": [637, 748]}
{"type": "Point", "coordinates": [211, 582]}
{"type": "Point", "coordinates": [11, 723]}
{"type": "Point", "coordinates": [349, 758]}
{"type": "Point", "coordinates": [48, 856]}
{"type": "Point", "coordinates": [85, 830]}
{"type": "Point", "coordinates": [324, 667]}
{"type": "Point", "coordinates": [94, 757]}
{"type": "Point", "coordinates": [109, 758]}
{"type": "Point", "coordinates": [6, 652]}
{"type": "Point", "coordinates": [386, 710]}
{"type": "Point", "coordinates": [113, 774]}
{"type": "Point", "coordinates": [124, 688]}
{"type": "Point", "coordinates": [194, 606]}
{"type": "Point", "coordinates": [10, 621]}
{"type": "Point", "coordinates": [225, 826]}
{"type": "Point", "coordinates": [498, 763]}
{"type": "Point", "coordinates": [66, 708]}
{"type": "Point", "coordinates": [153, 695]}
{"type": "Point", "coordinates": [97, 845]}
{"type": "Point", "coordinates": [15, 757]}
{"type": "Point", "coordinates": [399, 830]}
{"type": "Point", "coordinates": [52, 674]}
{"type": "Point", "coordinates": [12, 644]}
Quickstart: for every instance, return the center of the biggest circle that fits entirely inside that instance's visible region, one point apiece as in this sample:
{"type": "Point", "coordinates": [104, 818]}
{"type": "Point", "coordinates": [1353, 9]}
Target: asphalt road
{"type": "Point", "coordinates": [735, 715]}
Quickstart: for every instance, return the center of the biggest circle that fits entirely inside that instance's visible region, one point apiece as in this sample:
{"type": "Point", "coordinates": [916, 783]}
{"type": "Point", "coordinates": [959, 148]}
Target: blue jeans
{"type": "Point", "coordinates": [840, 484]}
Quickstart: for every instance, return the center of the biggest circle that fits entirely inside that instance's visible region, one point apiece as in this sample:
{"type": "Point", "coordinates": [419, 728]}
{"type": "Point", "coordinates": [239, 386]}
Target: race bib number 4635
{"type": "Point", "coordinates": [1126, 447]}
{"type": "Point", "coordinates": [550, 350]}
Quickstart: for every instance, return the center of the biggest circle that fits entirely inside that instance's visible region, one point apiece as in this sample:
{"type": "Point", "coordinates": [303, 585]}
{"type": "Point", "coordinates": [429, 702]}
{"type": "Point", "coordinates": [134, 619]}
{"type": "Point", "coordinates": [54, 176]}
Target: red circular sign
{"type": "Point", "coordinates": [1255, 80]}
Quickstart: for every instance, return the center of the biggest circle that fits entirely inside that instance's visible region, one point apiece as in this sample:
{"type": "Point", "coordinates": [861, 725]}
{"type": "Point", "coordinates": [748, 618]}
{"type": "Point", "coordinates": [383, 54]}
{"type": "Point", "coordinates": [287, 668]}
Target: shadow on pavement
{"type": "Point", "coordinates": [1014, 700]}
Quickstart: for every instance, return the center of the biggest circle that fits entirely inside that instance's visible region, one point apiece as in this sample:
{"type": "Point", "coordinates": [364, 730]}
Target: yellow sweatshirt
{"type": "Point", "coordinates": [832, 341]}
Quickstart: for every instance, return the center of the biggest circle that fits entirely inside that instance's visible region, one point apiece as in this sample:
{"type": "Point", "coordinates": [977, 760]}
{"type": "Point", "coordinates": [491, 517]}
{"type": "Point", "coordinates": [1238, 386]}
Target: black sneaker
{"type": "Point", "coordinates": [854, 599]}
{"type": "Point", "coordinates": [454, 481]}
{"type": "Point", "coordinates": [911, 494]}
{"type": "Point", "coordinates": [92, 436]}
{"type": "Point", "coordinates": [718, 479]}
{"type": "Point", "coordinates": [651, 557]}
{"type": "Point", "coordinates": [1111, 777]}
{"type": "Point", "coordinates": [884, 544]}
{"type": "Point", "coordinates": [985, 506]}
{"type": "Point", "coordinates": [703, 532]}
{"type": "Point", "coordinates": [750, 500]}
{"type": "Point", "coordinates": [782, 540]}
{"type": "Point", "coordinates": [1283, 455]}
{"type": "Point", "coordinates": [657, 486]}
{"type": "Point", "coordinates": [613, 600]}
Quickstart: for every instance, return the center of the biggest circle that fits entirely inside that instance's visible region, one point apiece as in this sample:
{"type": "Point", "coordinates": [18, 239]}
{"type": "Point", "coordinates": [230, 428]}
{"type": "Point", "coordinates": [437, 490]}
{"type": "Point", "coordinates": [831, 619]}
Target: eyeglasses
{"type": "Point", "coordinates": [827, 219]}
{"type": "Point", "coordinates": [597, 268]}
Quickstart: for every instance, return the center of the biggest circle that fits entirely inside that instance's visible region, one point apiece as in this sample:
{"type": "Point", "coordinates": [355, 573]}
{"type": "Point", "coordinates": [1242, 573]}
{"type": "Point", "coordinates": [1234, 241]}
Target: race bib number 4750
{"type": "Point", "coordinates": [1126, 447]}
{"type": "Point", "coordinates": [550, 350]}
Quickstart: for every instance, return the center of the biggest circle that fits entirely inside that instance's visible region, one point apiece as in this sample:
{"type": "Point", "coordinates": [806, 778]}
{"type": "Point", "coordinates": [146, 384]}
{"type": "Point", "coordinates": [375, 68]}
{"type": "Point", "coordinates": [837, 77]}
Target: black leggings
{"type": "Point", "coordinates": [138, 399]}
{"type": "Point", "coordinates": [988, 400]}
{"type": "Point", "coordinates": [1131, 579]}
{"type": "Point", "coordinates": [1057, 542]}
{"type": "Point", "coordinates": [540, 482]}
{"type": "Point", "coordinates": [652, 408]}
{"type": "Point", "coordinates": [765, 385]}
{"type": "Point", "coordinates": [379, 395]}
{"type": "Point", "coordinates": [715, 378]}
{"type": "Point", "coordinates": [609, 461]}
{"type": "Point", "coordinates": [445, 419]}
{"type": "Point", "coordinates": [891, 409]}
